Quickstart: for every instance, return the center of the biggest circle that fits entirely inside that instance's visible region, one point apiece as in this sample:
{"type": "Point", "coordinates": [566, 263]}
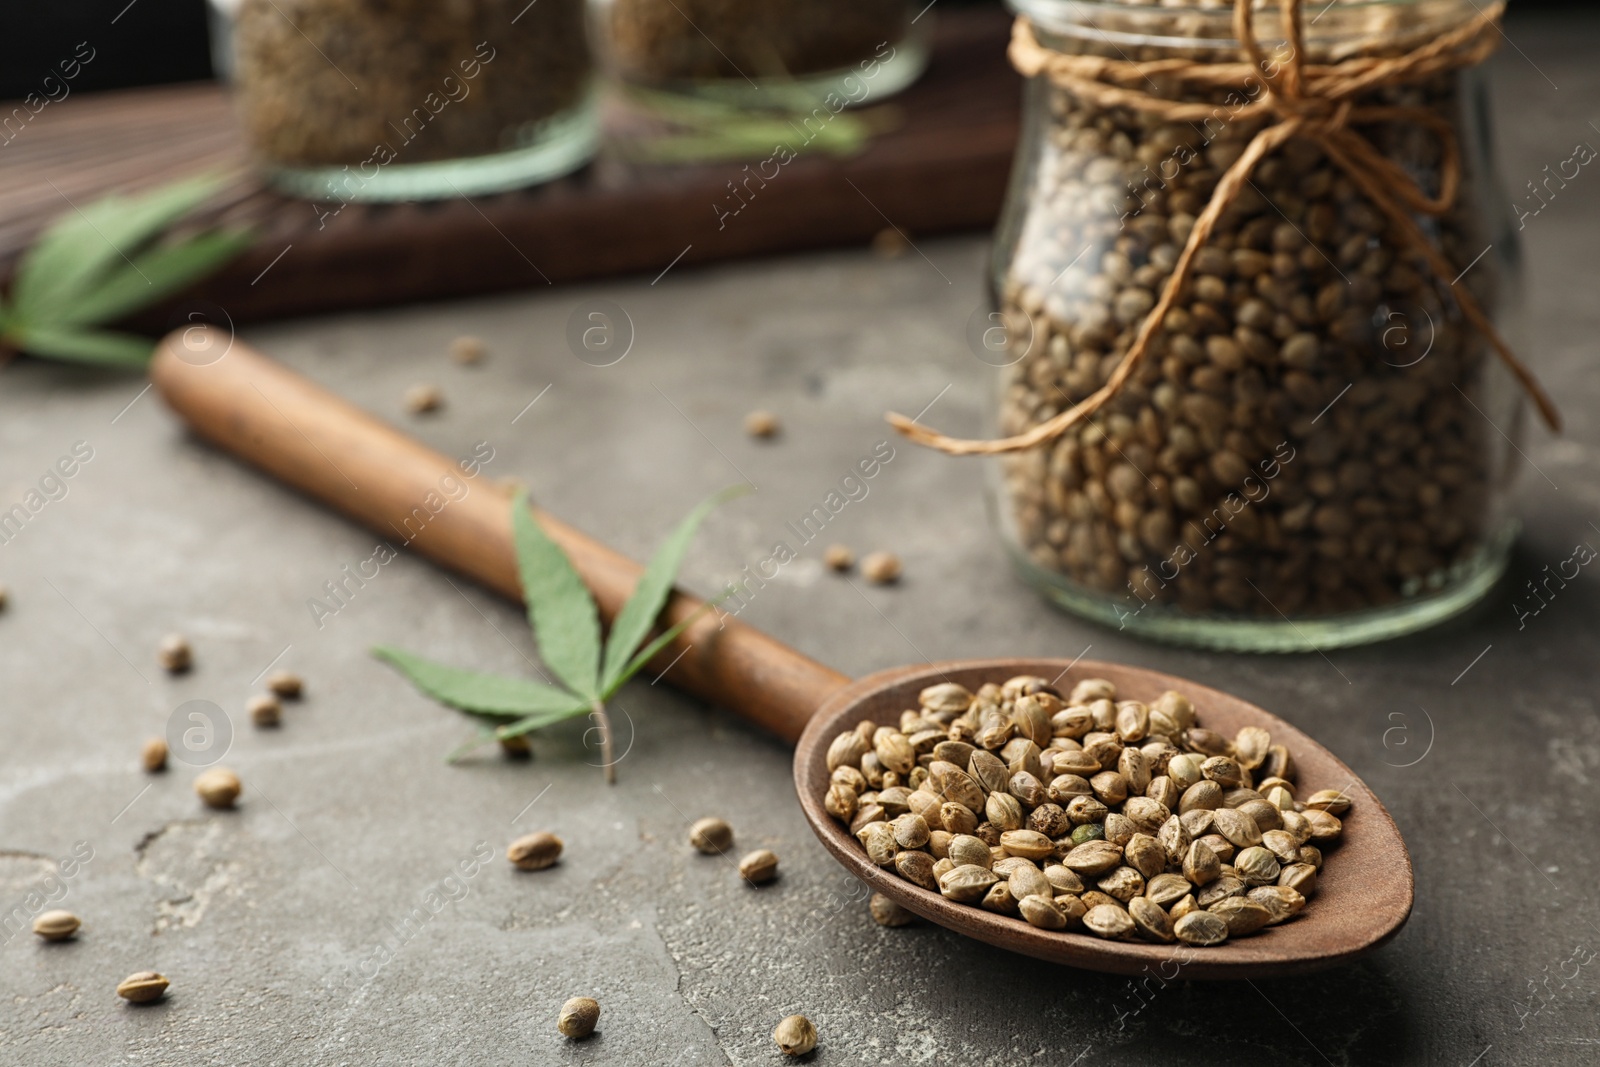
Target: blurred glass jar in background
{"type": "Point", "coordinates": [771, 53]}
{"type": "Point", "coordinates": [1318, 448]}
{"type": "Point", "coordinates": [413, 99]}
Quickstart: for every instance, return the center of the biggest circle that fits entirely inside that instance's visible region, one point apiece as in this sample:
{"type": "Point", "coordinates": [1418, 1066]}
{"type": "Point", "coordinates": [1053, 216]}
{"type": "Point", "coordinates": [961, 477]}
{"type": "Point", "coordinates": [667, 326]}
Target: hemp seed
{"type": "Point", "coordinates": [1201, 928]}
{"type": "Point", "coordinates": [1282, 901]}
{"type": "Point", "coordinates": [1331, 801]}
{"type": "Point", "coordinates": [265, 711]}
{"type": "Point", "coordinates": [154, 755]}
{"type": "Point", "coordinates": [967, 882]}
{"type": "Point", "coordinates": [1028, 844]}
{"type": "Point", "coordinates": [1301, 877]}
{"type": "Point", "coordinates": [535, 851]}
{"type": "Point", "coordinates": [1243, 915]}
{"type": "Point", "coordinates": [1237, 827]}
{"type": "Point", "coordinates": [1257, 866]}
{"type": "Point", "coordinates": [174, 654]}
{"type": "Point", "coordinates": [218, 787]}
{"type": "Point", "coordinates": [881, 568]}
{"type": "Point", "coordinates": [142, 987]}
{"type": "Point", "coordinates": [56, 925]}
{"type": "Point", "coordinates": [423, 399]}
{"type": "Point", "coordinates": [714, 836]}
{"type": "Point", "coordinates": [759, 867]}
{"type": "Point", "coordinates": [841, 802]}
{"type": "Point", "coordinates": [795, 1036]}
{"type": "Point", "coordinates": [886, 912]}
{"type": "Point", "coordinates": [1223, 887]}
{"type": "Point", "coordinates": [1041, 911]}
{"type": "Point", "coordinates": [286, 684]}
{"type": "Point", "coordinates": [1324, 827]}
{"type": "Point", "coordinates": [878, 840]}
{"type": "Point", "coordinates": [1281, 844]}
{"type": "Point", "coordinates": [1025, 880]}
{"type": "Point", "coordinates": [578, 1017]}
{"type": "Point", "coordinates": [1109, 921]}
{"type": "Point", "coordinates": [468, 350]}
{"type": "Point", "coordinates": [1153, 924]}
{"type": "Point", "coordinates": [839, 558]}
{"type": "Point", "coordinates": [763, 424]}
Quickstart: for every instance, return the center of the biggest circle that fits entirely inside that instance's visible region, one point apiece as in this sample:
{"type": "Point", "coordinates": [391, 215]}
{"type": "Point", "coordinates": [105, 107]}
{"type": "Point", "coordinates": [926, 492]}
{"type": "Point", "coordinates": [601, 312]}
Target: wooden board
{"type": "Point", "coordinates": [942, 169]}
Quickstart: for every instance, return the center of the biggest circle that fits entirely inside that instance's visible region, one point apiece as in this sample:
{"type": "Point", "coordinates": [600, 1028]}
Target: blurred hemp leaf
{"type": "Point", "coordinates": [566, 624]}
{"type": "Point", "coordinates": [708, 131]}
{"type": "Point", "coordinates": [104, 261]}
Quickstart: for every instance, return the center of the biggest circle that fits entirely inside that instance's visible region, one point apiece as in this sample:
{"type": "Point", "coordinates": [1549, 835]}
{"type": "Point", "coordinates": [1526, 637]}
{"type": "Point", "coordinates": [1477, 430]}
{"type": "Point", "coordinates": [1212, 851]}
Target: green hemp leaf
{"type": "Point", "coordinates": [566, 625]}
{"type": "Point", "coordinates": [106, 260]}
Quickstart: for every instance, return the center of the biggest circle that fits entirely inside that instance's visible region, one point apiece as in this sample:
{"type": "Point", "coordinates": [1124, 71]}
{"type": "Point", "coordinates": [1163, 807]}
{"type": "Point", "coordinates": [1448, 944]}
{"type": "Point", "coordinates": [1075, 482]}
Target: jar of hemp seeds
{"type": "Point", "coordinates": [1252, 394]}
{"type": "Point", "coordinates": [789, 54]}
{"type": "Point", "coordinates": [414, 99]}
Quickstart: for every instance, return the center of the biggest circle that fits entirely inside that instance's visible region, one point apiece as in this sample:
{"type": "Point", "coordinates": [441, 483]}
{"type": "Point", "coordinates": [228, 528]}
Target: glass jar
{"type": "Point", "coordinates": [1317, 449]}
{"type": "Point", "coordinates": [771, 54]}
{"type": "Point", "coordinates": [414, 99]}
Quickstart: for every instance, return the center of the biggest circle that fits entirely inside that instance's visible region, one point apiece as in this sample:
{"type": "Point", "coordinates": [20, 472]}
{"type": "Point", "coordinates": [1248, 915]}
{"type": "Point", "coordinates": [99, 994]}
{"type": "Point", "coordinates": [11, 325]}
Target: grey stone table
{"type": "Point", "coordinates": [328, 920]}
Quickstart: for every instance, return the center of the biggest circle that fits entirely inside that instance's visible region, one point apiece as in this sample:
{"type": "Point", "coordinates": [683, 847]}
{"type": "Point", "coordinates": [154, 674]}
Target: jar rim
{"type": "Point", "coordinates": [1145, 24]}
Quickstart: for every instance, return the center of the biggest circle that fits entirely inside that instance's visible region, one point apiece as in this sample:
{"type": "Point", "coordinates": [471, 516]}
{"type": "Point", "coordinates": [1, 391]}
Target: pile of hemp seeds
{"type": "Point", "coordinates": [1126, 820]}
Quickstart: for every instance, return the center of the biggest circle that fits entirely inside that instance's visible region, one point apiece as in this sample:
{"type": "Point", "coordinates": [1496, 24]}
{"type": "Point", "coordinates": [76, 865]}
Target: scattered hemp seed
{"type": "Point", "coordinates": [578, 1017]}
{"type": "Point", "coordinates": [218, 787]}
{"type": "Point", "coordinates": [1076, 811]}
{"type": "Point", "coordinates": [56, 925]}
{"type": "Point", "coordinates": [174, 654]}
{"type": "Point", "coordinates": [761, 424]}
{"type": "Point", "coordinates": [534, 852]}
{"type": "Point", "coordinates": [516, 747]}
{"type": "Point", "coordinates": [142, 987]}
{"type": "Point", "coordinates": [886, 912]}
{"type": "Point", "coordinates": [468, 350]}
{"type": "Point", "coordinates": [711, 836]}
{"type": "Point", "coordinates": [286, 684]}
{"type": "Point", "coordinates": [795, 1036]}
{"type": "Point", "coordinates": [423, 399]}
{"type": "Point", "coordinates": [881, 568]}
{"type": "Point", "coordinates": [154, 755]}
{"type": "Point", "coordinates": [5, 597]}
{"type": "Point", "coordinates": [839, 558]}
{"type": "Point", "coordinates": [759, 866]}
{"type": "Point", "coordinates": [265, 711]}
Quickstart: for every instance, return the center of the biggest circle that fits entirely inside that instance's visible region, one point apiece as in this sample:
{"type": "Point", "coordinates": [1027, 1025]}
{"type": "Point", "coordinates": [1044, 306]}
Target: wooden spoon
{"type": "Point", "coordinates": [325, 447]}
{"type": "Point", "coordinates": [1364, 889]}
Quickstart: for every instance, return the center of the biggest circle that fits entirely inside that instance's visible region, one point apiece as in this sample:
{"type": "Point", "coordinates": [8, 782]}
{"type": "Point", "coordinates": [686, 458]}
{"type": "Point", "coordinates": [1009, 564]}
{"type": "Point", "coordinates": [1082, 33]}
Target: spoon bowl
{"type": "Point", "coordinates": [1364, 890]}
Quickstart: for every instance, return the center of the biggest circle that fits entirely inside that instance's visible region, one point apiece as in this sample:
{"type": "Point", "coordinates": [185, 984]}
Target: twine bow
{"type": "Point", "coordinates": [1315, 101]}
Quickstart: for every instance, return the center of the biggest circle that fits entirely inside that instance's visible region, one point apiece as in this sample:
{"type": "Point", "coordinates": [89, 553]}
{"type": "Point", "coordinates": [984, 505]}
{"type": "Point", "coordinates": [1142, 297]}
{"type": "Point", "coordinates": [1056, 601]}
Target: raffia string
{"type": "Point", "coordinates": [1316, 101]}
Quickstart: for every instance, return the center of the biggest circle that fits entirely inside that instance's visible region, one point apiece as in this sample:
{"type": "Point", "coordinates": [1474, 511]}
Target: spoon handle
{"type": "Point", "coordinates": [414, 497]}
